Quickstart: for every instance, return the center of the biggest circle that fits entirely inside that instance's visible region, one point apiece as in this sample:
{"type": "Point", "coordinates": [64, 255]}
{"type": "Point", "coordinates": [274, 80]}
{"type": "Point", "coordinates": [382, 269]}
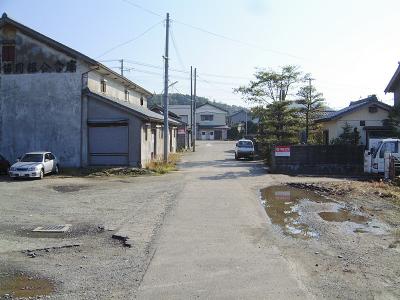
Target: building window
{"type": "Point", "coordinates": [8, 53]}
{"type": "Point", "coordinates": [362, 123]}
{"type": "Point", "coordinates": [103, 85]}
{"type": "Point", "coordinates": [372, 109]}
{"type": "Point", "coordinates": [203, 133]}
{"type": "Point", "coordinates": [141, 101]}
{"type": "Point", "coordinates": [207, 117]}
{"type": "Point", "coordinates": [126, 95]}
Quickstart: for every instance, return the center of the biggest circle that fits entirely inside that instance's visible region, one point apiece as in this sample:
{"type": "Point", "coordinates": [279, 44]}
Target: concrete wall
{"type": "Point", "coordinates": [318, 159]}
{"type": "Point", "coordinates": [97, 110]}
{"type": "Point", "coordinates": [41, 112]}
{"type": "Point", "coordinates": [353, 119]}
{"type": "Point", "coordinates": [114, 89]}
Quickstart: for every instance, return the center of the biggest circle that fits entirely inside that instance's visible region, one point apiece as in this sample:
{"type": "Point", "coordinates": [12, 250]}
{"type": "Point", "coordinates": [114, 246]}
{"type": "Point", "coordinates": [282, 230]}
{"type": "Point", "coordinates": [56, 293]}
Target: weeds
{"type": "Point", "coordinates": [159, 166]}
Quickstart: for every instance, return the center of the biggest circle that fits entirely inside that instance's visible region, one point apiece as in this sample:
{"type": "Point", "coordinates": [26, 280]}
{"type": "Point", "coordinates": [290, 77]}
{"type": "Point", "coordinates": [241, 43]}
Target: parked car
{"type": "Point", "coordinates": [34, 165]}
{"type": "Point", "coordinates": [4, 165]}
{"type": "Point", "coordinates": [244, 149]}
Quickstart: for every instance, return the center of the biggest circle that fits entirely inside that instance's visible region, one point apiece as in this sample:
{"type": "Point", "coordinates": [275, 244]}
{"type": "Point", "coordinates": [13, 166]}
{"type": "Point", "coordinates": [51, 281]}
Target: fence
{"type": "Point", "coordinates": [319, 159]}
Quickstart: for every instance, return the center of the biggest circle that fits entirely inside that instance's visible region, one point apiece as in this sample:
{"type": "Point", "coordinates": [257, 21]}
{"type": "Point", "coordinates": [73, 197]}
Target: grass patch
{"type": "Point", "coordinates": [159, 166]}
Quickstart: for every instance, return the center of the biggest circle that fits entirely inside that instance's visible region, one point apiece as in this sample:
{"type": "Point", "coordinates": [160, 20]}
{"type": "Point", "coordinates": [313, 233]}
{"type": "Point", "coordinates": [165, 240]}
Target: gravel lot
{"type": "Point", "coordinates": [100, 267]}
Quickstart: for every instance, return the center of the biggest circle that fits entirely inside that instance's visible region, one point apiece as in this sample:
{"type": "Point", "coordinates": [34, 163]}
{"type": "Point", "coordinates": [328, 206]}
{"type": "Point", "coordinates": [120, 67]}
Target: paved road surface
{"type": "Point", "coordinates": [217, 242]}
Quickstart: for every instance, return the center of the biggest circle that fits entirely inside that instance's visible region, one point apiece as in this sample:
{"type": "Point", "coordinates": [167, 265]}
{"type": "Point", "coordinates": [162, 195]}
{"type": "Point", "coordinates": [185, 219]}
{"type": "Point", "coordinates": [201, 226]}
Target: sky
{"type": "Point", "coordinates": [350, 47]}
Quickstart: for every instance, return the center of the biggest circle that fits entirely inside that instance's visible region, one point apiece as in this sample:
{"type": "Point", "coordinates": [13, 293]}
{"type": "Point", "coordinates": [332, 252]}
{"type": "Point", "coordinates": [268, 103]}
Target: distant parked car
{"type": "Point", "coordinates": [34, 165]}
{"type": "Point", "coordinates": [244, 148]}
{"type": "Point", "coordinates": [4, 165]}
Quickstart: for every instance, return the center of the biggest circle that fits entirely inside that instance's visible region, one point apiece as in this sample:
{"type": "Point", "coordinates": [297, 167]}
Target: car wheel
{"type": "Point", "coordinates": [41, 174]}
{"type": "Point", "coordinates": [56, 170]}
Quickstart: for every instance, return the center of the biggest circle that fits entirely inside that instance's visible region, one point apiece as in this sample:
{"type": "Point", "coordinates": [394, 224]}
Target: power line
{"type": "Point", "coordinates": [143, 8]}
{"type": "Point", "coordinates": [176, 50]}
{"type": "Point", "coordinates": [217, 34]}
{"type": "Point", "coordinates": [131, 40]}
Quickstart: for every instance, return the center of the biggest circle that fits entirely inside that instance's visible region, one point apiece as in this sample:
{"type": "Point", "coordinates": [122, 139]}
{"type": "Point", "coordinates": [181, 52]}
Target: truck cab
{"type": "Point", "coordinates": [374, 159]}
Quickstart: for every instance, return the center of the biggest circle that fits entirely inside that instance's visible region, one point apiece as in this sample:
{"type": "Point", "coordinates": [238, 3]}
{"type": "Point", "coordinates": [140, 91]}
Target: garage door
{"type": "Point", "coordinates": [108, 144]}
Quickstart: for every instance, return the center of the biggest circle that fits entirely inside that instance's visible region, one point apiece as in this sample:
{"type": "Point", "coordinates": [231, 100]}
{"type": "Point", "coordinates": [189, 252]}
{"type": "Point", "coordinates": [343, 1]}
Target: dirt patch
{"type": "Point", "coordinates": [24, 286]}
{"type": "Point", "coordinates": [104, 172]}
{"type": "Point", "coordinates": [354, 251]}
{"type": "Point", "coordinates": [69, 188]}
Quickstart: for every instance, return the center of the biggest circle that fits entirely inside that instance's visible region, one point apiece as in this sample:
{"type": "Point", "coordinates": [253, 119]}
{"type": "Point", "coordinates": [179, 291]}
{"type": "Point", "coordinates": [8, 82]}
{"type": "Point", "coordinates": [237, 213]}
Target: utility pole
{"type": "Point", "coordinates": [122, 67]}
{"type": "Point", "coordinates": [191, 106]}
{"type": "Point", "coordinates": [166, 58]}
{"type": "Point", "coordinates": [246, 125]}
{"type": "Point", "coordinates": [194, 111]}
{"type": "Point", "coordinates": [308, 107]}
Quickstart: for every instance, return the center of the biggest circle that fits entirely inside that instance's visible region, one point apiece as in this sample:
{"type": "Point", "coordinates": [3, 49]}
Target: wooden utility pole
{"type": "Point", "coordinates": [166, 129]}
{"type": "Point", "coordinates": [191, 106]}
{"type": "Point", "coordinates": [194, 111]}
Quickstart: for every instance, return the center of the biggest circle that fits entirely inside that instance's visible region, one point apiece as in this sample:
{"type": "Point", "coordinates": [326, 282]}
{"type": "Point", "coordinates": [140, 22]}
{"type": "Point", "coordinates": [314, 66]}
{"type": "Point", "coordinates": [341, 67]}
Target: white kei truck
{"type": "Point", "coordinates": [377, 159]}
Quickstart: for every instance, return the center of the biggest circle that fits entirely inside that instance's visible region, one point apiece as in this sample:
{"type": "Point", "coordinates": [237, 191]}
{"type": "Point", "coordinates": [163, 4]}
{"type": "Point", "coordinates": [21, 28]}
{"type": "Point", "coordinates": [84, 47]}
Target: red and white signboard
{"type": "Point", "coordinates": [282, 151]}
{"type": "Point", "coordinates": [181, 131]}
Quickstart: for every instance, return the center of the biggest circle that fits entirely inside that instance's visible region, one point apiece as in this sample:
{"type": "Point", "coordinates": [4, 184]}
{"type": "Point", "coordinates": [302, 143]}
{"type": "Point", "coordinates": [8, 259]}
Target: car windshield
{"type": "Point", "coordinates": [245, 144]}
{"type": "Point", "coordinates": [32, 158]}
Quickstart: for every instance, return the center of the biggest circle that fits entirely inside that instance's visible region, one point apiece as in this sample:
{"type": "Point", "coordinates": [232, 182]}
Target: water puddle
{"type": "Point", "coordinates": [23, 286]}
{"type": "Point", "coordinates": [342, 215]}
{"type": "Point", "coordinates": [282, 206]}
{"type": "Point", "coordinates": [299, 212]}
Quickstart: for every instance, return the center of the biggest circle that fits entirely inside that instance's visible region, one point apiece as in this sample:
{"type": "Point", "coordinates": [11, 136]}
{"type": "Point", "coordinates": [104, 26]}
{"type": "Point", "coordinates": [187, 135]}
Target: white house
{"type": "Point", "coordinates": [211, 122]}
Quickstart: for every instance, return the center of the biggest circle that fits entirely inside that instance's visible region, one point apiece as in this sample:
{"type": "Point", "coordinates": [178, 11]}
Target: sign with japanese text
{"type": "Point", "coordinates": [282, 151]}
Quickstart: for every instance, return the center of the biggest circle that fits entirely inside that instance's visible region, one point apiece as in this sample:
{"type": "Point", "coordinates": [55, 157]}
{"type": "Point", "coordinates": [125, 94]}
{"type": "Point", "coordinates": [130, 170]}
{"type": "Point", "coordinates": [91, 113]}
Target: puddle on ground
{"type": "Point", "coordinates": [294, 209]}
{"type": "Point", "coordinates": [69, 188]}
{"type": "Point", "coordinates": [281, 204]}
{"type": "Point", "coordinates": [23, 286]}
{"type": "Point", "coordinates": [342, 215]}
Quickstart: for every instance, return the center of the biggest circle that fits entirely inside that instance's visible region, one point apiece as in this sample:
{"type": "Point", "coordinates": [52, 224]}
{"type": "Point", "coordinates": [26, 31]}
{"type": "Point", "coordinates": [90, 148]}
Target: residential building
{"type": "Point", "coordinates": [366, 116]}
{"type": "Point", "coordinates": [211, 122]}
{"type": "Point", "coordinates": [57, 99]}
{"type": "Point", "coordinates": [394, 86]}
{"type": "Point", "coordinates": [183, 138]}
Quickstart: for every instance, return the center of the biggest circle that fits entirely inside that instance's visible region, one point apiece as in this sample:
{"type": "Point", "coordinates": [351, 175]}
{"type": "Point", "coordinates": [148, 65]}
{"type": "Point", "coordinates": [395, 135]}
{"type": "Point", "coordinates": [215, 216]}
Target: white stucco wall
{"type": "Point", "coordinates": [114, 88]}
{"type": "Point", "coordinates": [335, 127]}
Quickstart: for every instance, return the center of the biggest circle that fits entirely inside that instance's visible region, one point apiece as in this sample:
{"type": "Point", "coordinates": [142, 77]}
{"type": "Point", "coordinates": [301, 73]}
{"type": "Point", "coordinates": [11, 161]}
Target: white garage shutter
{"type": "Point", "coordinates": [108, 145]}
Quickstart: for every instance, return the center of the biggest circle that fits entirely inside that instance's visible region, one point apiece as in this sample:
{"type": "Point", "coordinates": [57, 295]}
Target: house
{"type": "Point", "coordinates": [183, 138]}
{"type": "Point", "coordinates": [57, 99]}
{"type": "Point", "coordinates": [211, 122]}
{"type": "Point", "coordinates": [365, 115]}
{"type": "Point", "coordinates": [394, 86]}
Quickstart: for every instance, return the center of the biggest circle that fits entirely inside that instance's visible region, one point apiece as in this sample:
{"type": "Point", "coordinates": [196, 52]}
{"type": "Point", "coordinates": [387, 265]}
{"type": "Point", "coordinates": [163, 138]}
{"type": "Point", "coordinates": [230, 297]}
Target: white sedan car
{"type": "Point", "coordinates": [34, 165]}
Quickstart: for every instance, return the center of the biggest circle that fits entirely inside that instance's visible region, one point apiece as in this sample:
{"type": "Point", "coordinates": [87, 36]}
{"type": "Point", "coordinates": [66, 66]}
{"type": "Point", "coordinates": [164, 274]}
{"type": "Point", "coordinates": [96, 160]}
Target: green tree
{"type": "Point", "coordinates": [349, 136]}
{"type": "Point", "coordinates": [270, 90]}
{"type": "Point", "coordinates": [311, 104]}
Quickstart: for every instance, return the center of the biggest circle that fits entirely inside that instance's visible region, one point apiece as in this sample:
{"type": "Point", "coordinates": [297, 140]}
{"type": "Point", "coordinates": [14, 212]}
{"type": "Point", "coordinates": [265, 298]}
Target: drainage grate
{"type": "Point", "coordinates": [53, 228]}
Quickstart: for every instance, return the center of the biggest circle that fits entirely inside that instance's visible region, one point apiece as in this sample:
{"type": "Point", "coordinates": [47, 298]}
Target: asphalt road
{"type": "Point", "coordinates": [218, 242]}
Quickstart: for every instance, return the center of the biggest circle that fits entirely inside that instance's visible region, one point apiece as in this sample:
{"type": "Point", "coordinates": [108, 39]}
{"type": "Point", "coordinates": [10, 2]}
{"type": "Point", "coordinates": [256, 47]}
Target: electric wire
{"type": "Point", "coordinates": [130, 40]}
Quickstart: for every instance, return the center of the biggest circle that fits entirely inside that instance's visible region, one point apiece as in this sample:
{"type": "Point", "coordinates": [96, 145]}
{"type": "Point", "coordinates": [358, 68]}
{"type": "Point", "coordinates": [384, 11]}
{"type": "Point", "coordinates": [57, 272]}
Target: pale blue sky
{"type": "Point", "coordinates": [350, 47]}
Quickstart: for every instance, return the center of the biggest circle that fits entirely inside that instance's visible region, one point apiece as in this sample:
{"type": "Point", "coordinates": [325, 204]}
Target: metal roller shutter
{"type": "Point", "coordinates": [109, 144]}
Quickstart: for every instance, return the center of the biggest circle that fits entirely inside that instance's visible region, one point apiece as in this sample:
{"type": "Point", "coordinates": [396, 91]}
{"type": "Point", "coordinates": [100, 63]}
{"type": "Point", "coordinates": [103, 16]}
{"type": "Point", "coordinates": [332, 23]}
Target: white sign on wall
{"type": "Point", "coordinates": [282, 151]}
